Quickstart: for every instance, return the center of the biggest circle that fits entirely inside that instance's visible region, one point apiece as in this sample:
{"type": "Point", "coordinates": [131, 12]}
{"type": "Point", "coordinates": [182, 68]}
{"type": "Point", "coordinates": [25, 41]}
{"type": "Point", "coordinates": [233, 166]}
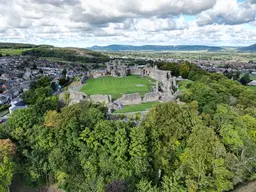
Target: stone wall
{"type": "Point", "coordinates": [130, 99]}
{"type": "Point", "coordinates": [71, 97]}
{"type": "Point", "coordinates": [151, 97]}
{"type": "Point", "coordinates": [159, 75]}
{"type": "Point", "coordinates": [165, 97]}
{"type": "Point", "coordinates": [76, 97]}
{"type": "Point", "coordinates": [135, 71]}
{"type": "Point", "coordinates": [100, 98]}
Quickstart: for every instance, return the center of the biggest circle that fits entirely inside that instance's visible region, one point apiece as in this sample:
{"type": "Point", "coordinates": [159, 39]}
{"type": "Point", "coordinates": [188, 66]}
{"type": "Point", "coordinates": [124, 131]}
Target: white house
{"type": "Point", "coordinates": [252, 83]}
{"type": "Point", "coordinates": [17, 104]}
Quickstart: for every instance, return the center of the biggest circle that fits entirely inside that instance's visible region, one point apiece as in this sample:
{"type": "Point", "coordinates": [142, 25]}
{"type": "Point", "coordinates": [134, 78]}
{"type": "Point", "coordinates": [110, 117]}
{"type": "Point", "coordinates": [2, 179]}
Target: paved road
{"type": "Point", "coordinates": [4, 119]}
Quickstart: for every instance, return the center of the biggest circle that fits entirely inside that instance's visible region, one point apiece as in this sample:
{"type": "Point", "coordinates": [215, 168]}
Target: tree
{"type": "Point", "coordinates": [7, 151]}
{"type": "Point", "coordinates": [64, 73]}
{"type": "Point", "coordinates": [146, 186]}
{"type": "Point", "coordinates": [203, 162]}
{"type": "Point", "coordinates": [245, 79]}
{"type": "Point", "coordinates": [42, 82]}
{"type": "Point", "coordinates": [184, 70]}
{"type": "Point", "coordinates": [115, 186]}
{"type": "Point", "coordinates": [167, 126]}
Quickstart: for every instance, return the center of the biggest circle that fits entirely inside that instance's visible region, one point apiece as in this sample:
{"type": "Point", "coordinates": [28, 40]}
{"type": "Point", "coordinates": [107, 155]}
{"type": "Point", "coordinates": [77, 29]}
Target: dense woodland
{"type": "Point", "coordinates": [67, 55]}
{"type": "Point", "coordinates": [207, 144]}
{"type": "Point", "coordinates": [20, 46]}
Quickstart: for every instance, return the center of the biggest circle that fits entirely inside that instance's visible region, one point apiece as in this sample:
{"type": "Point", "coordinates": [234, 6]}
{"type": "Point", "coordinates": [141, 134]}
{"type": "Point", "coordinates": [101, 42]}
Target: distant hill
{"type": "Point", "coordinates": [251, 48]}
{"type": "Point", "coordinates": [20, 46]}
{"type": "Point", "coordinates": [67, 54]}
{"type": "Point", "coordinates": [156, 48]}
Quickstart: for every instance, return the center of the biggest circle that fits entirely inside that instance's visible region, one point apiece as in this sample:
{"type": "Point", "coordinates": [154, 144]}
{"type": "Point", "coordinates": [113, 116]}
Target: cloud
{"type": "Point", "coordinates": [84, 23]}
{"type": "Point", "coordinates": [228, 12]}
{"type": "Point", "coordinates": [58, 3]}
{"type": "Point", "coordinates": [252, 1]}
{"type": "Point", "coordinates": [109, 11]}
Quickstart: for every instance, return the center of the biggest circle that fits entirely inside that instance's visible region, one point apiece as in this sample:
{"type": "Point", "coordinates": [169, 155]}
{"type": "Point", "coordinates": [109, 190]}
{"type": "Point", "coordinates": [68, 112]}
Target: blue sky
{"type": "Point", "coordinates": [84, 23]}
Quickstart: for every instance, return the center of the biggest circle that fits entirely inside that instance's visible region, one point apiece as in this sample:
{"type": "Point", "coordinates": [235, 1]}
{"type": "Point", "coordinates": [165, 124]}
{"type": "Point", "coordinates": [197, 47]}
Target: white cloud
{"type": "Point", "coordinates": [228, 12]}
{"type": "Point", "coordinates": [84, 23]}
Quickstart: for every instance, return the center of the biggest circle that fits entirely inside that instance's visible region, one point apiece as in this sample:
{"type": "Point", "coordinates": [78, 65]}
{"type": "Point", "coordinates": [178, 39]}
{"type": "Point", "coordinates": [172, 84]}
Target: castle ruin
{"type": "Point", "coordinates": [164, 89]}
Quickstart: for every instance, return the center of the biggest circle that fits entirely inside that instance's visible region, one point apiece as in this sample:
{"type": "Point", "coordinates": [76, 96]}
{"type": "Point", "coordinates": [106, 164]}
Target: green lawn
{"type": "Point", "coordinates": [116, 86]}
{"type": "Point", "coordinates": [182, 84]}
{"type": "Point", "coordinates": [136, 108]}
{"type": "Point", "coordinates": [253, 77]}
{"type": "Point", "coordinates": [12, 52]}
{"type": "Point", "coordinates": [251, 87]}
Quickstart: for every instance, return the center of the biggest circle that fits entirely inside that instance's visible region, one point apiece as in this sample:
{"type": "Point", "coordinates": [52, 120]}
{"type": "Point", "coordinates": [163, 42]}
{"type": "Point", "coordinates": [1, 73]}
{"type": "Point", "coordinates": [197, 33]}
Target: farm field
{"type": "Point", "coordinates": [190, 55]}
{"type": "Point", "coordinates": [12, 52]}
{"type": "Point", "coordinates": [136, 108]}
{"type": "Point", "coordinates": [116, 87]}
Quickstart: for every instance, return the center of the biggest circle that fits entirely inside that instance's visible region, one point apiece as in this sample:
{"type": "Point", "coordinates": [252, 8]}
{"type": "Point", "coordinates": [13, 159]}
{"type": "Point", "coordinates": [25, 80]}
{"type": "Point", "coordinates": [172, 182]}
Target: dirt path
{"type": "Point", "coordinates": [250, 187]}
{"type": "Point", "coordinates": [18, 186]}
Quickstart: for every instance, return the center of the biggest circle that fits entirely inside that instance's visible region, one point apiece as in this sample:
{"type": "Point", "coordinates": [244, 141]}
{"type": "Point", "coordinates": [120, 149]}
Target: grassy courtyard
{"type": "Point", "coordinates": [136, 108]}
{"type": "Point", "coordinates": [116, 86]}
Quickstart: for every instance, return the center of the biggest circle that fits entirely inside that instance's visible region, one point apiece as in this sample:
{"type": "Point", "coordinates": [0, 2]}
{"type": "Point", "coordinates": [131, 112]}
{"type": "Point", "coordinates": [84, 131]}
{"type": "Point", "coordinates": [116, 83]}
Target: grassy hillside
{"type": "Point", "coordinates": [183, 84]}
{"type": "Point", "coordinates": [21, 46]}
{"type": "Point", "coordinates": [50, 52]}
{"type": "Point", "coordinates": [13, 52]}
{"type": "Point", "coordinates": [67, 54]}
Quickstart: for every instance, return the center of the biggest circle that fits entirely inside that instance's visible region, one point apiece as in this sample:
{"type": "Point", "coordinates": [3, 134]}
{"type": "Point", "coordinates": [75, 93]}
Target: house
{"type": "Point", "coordinates": [17, 104]}
{"type": "Point", "coordinates": [5, 76]}
{"type": "Point", "coordinates": [70, 74]}
{"type": "Point", "coordinates": [252, 83]}
{"type": "Point", "coordinates": [3, 99]}
{"type": "Point", "coordinates": [25, 86]}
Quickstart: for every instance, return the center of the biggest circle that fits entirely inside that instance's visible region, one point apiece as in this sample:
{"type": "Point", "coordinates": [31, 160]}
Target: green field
{"type": "Point", "coordinates": [116, 86]}
{"type": "Point", "coordinates": [12, 52]}
{"type": "Point", "coordinates": [182, 84]}
{"type": "Point", "coordinates": [136, 108]}
{"type": "Point", "coordinates": [253, 77]}
{"type": "Point", "coordinates": [252, 88]}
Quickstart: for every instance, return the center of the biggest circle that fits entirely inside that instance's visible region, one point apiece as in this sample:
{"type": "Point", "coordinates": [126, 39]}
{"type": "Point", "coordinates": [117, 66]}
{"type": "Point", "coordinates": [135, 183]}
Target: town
{"type": "Point", "coordinates": [17, 72]}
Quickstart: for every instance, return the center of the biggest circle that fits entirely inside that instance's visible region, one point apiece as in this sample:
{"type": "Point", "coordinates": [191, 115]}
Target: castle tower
{"type": "Point", "coordinates": [174, 82]}
{"type": "Point", "coordinates": [113, 73]}
{"type": "Point", "coordinates": [157, 87]}
{"type": "Point", "coordinates": [169, 87]}
{"type": "Point", "coordinates": [108, 67]}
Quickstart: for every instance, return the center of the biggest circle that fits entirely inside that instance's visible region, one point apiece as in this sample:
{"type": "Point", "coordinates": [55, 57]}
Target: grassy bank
{"type": "Point", "coordinates": [136, 108]}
